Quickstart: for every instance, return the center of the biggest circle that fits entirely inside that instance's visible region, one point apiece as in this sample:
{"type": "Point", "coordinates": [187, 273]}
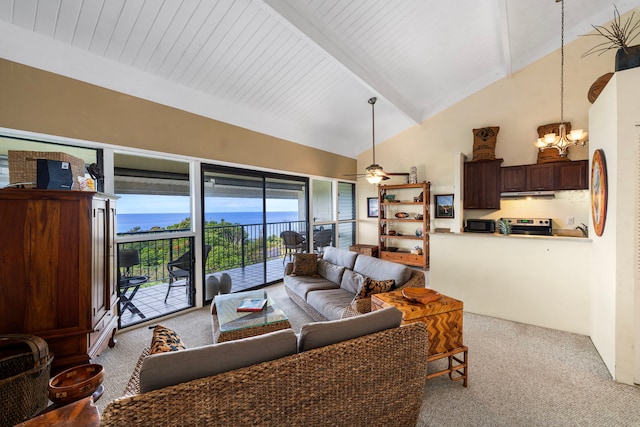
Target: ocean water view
{"type": "Point", "coordinates": [146, 221]}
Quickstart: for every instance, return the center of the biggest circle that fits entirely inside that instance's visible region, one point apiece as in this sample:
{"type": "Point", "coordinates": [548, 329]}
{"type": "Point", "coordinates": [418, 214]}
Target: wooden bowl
{"type": "Point", "coordinates": [421, 295]}
{"type": "Point", "coordinates": [75, 383]}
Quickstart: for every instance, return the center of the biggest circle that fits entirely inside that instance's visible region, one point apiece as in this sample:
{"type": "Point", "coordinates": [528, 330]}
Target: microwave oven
{"type": "Point", "coordinates": [480, 226]}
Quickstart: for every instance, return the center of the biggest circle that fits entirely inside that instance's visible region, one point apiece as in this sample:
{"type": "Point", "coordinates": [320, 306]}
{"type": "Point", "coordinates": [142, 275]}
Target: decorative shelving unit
{"type": "Point", "coordinates": [399, 236]}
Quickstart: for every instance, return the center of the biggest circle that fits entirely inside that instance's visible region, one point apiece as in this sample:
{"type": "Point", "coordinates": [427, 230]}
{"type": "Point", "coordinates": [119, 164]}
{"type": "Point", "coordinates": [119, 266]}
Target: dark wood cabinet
{"type": "Point", "coordinates": [571, 175]}
{"type": "Point", "coordinates": [57, 276]}
{"type": "Point", "coordinates": [513, 178]}
{"type": "Point", "coordinates": [482, 182]}
{"type": "Point", "coordinates": [540, 177]}
{"type": "Point", "coordinates": [548, 176]}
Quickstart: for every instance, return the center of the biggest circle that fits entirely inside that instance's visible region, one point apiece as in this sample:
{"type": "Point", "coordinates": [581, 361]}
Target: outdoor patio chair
{"type": "Point", "coordinates": [180, 270]}
{"type": "Point", "coordinates": [127, 258]}
{"type": "Point", "coordinates": [294, 242]}
{"type": "Point", "coordinates": [322, 239]}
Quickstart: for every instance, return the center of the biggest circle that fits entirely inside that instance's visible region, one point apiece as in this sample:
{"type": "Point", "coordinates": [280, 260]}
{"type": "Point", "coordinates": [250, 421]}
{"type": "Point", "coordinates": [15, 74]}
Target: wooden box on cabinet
{"type": "Point", "coordinates": [405, 200]}
{"type": "Point", "coordinates": [482, 185]}
{"type": "Point", "coordinates": [56, 255]}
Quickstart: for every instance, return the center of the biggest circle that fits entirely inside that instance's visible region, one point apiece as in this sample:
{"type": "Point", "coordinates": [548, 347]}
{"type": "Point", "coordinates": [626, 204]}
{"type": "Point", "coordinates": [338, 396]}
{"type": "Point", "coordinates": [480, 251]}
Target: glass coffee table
{"type": "Point", "coordinates": [230, 324]}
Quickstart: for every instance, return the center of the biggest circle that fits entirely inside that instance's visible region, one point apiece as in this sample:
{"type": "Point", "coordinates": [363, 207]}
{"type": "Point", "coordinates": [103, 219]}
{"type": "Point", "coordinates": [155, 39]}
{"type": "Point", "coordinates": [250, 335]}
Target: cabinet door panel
{"type": "Point", "coordinates": [514, 178]}
{"type": "Point", "coordinates": [540, 177]}
{"type": "Point", "coordinates": [571, 175]}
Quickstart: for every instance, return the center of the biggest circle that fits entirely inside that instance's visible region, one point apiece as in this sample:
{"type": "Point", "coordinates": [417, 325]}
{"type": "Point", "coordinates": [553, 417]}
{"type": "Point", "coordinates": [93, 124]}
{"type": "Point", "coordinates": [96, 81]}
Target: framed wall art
{"type": "Point", "coordinates": [598, 191]}
{"type": "Point", "coordinates": [444, 205]}
{"type": "Point", "coordinates": [372, 207]}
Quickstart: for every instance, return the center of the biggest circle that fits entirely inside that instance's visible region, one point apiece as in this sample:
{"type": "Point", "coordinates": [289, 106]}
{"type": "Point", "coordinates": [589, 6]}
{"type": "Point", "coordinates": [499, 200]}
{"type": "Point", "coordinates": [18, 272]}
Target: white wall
{"type": "Point", "coordinates": [613, 120]}
{"type": "Point", "coordinates": [541, 281]}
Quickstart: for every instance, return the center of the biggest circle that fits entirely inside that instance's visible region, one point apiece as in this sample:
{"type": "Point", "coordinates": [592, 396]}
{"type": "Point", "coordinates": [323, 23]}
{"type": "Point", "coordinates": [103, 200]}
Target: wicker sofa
{"type": "Point", "coordinates": [357, 381]}
{"type": "Point", "coordinates": [329, 292]}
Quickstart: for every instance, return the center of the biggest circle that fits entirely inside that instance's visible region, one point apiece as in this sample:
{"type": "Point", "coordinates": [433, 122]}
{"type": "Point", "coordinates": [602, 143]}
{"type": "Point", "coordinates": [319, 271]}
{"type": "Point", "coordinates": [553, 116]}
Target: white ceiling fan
{"type": "Point", "coordinates": [374, 172]}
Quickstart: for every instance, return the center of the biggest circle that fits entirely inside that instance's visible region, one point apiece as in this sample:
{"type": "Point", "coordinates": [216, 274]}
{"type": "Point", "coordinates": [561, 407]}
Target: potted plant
{"type": "Point", "coordinates": [619, 36]}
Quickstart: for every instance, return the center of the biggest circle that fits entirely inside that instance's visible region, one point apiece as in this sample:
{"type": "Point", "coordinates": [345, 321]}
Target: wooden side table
{"type": "Point", "coordinates": [444, 324]}
{"type": "Point", "coordinates": [82, 413]}
{"type": "Point", "coordinates": [371, 250]}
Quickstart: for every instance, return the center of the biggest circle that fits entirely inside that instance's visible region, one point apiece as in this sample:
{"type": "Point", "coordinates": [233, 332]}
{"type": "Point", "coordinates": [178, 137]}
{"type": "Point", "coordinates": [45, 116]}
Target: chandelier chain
{"type": "Point", "coordinates": [562, 64]}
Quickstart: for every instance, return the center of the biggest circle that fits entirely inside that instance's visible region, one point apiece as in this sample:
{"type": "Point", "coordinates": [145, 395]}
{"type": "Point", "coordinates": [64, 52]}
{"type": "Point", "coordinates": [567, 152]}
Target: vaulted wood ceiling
{"type": "Point", "coordinates": [301, 70]}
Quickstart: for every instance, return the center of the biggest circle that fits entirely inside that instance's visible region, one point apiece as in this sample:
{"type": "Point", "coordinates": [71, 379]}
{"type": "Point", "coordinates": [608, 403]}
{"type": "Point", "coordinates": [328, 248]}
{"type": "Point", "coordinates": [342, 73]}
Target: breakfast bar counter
{"type": "Point", "coordinates": [539, 280]}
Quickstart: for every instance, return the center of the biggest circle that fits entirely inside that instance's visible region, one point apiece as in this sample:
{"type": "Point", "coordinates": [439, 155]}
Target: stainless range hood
{"type": "Point", "coordinates": [549, 194]}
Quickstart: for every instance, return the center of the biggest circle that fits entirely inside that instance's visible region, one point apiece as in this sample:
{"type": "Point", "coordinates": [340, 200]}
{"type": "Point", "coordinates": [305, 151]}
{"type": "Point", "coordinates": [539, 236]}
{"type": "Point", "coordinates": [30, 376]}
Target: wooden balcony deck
{"type": "Point", "coordinates": [150, 300]}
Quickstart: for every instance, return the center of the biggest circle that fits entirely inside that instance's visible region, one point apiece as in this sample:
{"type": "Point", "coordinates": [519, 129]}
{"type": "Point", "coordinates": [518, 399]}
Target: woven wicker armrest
{"type": "Point", "coordinates": [415, 281]}
{"type": "Point", "coordinates": [133, 386]}
{"type": "Point", "coordinates": [357, 307]}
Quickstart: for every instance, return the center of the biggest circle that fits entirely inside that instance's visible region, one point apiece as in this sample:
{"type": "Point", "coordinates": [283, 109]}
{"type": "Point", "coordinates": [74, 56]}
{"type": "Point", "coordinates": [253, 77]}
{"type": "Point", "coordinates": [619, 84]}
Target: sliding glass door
{"type": "Point", "coordinates": [245, 214]}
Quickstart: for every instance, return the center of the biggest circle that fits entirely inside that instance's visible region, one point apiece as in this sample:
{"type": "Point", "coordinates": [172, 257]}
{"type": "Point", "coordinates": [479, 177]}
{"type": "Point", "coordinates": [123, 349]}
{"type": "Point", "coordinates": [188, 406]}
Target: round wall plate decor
{"type": "Point", "coordinates": [598, 191]}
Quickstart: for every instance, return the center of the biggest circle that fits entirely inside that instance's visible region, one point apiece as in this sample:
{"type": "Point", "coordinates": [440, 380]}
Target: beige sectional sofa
{"type": "Point", "coordinates": [330, 292]}
{"type": "Point", "coordinates": [344, 372]}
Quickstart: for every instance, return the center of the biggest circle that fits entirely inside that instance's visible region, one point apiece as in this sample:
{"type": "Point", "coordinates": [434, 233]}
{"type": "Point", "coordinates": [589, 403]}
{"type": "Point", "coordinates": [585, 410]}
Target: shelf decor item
{"type": "Point", "coordinates": [504, 227]}
{"type": "Point", "coordinates": [444, 205]}
{"type": "Point", "coordinates": [618, 37]}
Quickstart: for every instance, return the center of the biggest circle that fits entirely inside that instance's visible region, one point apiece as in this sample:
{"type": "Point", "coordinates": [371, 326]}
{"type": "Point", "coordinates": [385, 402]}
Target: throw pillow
{"type": "Point", "coordinates": [305, 264]}
{"type": "Point", "coordinates": [371, 286]}
{"type": "Point", "coordinates": [165, 339]}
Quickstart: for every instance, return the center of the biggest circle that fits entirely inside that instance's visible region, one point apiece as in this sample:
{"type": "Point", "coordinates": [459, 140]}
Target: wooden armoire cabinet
{"type": "Point", "coordinates": [58, 271]}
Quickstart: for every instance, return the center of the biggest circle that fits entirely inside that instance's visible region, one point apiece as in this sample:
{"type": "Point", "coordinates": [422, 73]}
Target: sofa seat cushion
{"type": "Point", "coordinates": [380, 269]}
{"type": "Point", "coordinates": [302, 285]}
{"type": "Point", "coordinates": [319, 334]}
{"type": "Point", "coordinates": [171, 368]}
{"type": "Point", "coordinates": [330, 302]}
{"type": "Point", "coordinates": [340, 257]}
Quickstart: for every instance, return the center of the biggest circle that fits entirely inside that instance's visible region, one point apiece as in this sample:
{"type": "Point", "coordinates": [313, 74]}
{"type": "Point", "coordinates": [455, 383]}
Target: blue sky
{"type": "Point", "coordinates": [134, 203]}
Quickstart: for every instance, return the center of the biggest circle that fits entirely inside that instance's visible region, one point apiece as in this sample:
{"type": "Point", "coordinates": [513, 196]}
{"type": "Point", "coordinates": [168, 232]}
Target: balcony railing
{"type": "Point", "coordinates": [233, 246]}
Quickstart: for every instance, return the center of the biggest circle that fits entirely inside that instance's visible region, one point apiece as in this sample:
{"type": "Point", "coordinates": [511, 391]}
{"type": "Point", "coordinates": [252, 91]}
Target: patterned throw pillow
{"type": "Point", "coordinates": [305, 265]}
{"type": "Point", "coordinates": [165, 339]}
{"type": "Point", "coordinates": [371, 286]}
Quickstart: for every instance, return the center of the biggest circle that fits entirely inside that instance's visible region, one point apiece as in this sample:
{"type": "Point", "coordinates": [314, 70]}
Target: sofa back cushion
{"type": "Point", "coordinates": [330, 271]}
{"type": "Point", "coordinates": [319, 334]}
{"type": "Point", "coordinates": [380, 269]}
{"type": "Point", "coordinates": [340, 257]}
{"type": "Point", "coordinates": [171, 368]}
{"type": "Point", "coordinates": [352, 281]}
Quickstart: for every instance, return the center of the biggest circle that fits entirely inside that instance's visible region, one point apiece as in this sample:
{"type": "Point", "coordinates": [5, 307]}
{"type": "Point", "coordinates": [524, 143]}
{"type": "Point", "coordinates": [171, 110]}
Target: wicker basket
{"type": "Point", "coordinates": [25, 365]}
{"type": "Point", "coordinates": [23, 166]}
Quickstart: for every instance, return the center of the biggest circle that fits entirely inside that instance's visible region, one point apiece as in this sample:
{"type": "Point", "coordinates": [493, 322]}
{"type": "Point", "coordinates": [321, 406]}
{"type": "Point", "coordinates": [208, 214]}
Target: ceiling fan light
{"type": "Point", "coordinates": [374, 179]}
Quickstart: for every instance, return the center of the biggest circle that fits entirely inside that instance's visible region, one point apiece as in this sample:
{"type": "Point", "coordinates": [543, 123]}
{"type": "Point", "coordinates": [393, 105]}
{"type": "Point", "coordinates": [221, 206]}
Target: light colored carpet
{"type": "Point", "coordinates": [519, 375]}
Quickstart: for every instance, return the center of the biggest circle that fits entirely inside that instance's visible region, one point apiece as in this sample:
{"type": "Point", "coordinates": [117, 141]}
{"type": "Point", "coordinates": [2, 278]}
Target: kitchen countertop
{"type": "Point", "coordinates": [516, 236]}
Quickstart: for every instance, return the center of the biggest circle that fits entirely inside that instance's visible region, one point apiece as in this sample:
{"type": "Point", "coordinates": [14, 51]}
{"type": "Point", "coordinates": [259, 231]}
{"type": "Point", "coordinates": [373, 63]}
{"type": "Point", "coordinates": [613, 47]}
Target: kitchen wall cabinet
{"type": "Point", "coordinates": [58, 271]}
{"type": "Point", "coordinates": [548, 176]}
{"type": "Point", "coordinates": [513, 178]}
{"type": "Point", "coordinates": [571, 175]}
{"type": "Point", "coordinates": [540, 177]}
{"type": "Point", "coordinates": [399, 234]}
{"type": "Point", "coordinates": [482, 181]}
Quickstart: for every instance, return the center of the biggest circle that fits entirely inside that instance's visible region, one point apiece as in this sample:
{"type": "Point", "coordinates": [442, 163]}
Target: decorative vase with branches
{"type": "Point", "coordinates": [618, 36]}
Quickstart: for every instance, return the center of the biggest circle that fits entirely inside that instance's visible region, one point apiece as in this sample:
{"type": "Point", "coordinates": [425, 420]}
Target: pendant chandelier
{"type": "Point", "coordinates": [562, 141]}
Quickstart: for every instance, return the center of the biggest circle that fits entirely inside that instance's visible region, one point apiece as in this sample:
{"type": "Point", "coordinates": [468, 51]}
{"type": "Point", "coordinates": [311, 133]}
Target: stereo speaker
{"type": "Point", "coordinates": [54, 175]}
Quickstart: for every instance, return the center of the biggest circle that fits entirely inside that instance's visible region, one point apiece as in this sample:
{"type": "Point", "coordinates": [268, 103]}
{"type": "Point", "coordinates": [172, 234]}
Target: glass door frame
{"type": "Point", "coordinates": [265, 176]}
